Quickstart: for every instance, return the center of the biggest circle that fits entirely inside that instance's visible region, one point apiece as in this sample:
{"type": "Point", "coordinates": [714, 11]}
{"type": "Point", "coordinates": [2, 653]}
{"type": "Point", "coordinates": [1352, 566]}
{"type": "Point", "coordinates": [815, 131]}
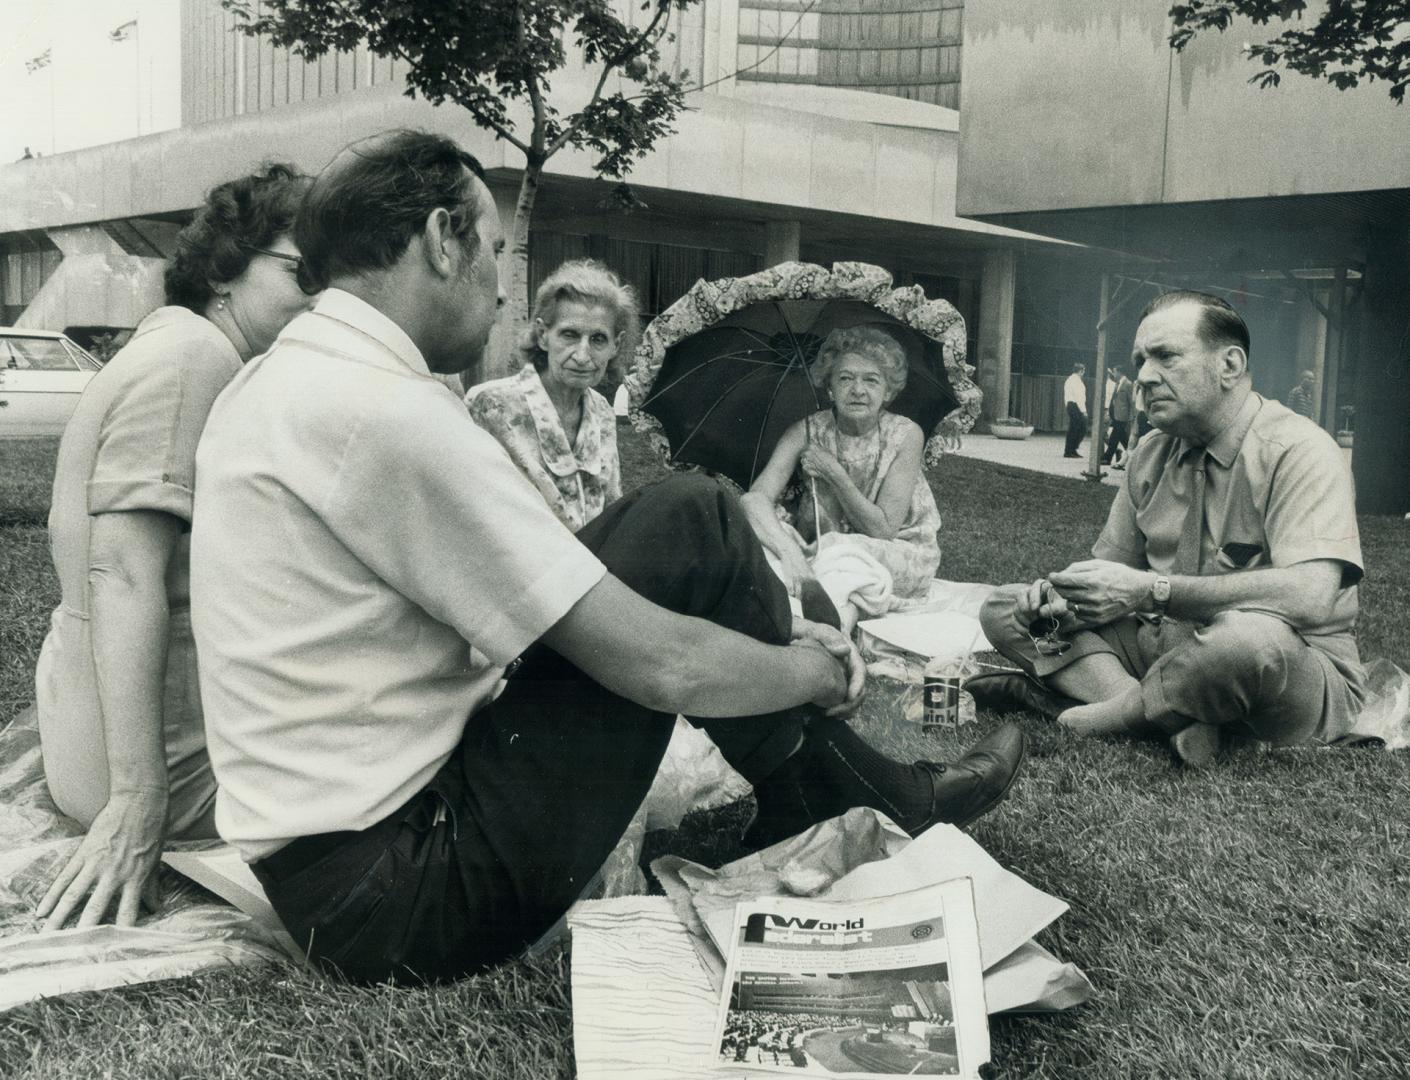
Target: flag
{"type": "Point", "coordinates": [122, 32]}
{"type": "Point", "coordinates": [40, 61]}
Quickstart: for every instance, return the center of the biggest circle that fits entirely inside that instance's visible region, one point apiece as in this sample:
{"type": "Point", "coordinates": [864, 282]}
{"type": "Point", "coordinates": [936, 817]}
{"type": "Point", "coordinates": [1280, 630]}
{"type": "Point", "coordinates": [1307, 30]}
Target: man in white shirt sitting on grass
{"type": "Point", "coordinates": [367, 564]}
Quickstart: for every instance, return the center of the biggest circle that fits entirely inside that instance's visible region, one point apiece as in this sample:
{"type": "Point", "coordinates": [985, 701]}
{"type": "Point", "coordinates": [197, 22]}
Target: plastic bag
{"type": "Point", "coordinates": [1386, 714]}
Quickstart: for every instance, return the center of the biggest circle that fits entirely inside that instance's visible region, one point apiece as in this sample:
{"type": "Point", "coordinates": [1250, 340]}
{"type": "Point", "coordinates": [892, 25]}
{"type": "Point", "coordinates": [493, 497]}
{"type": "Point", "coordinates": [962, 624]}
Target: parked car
{"type": "Point", "coordinates": [41, 375]}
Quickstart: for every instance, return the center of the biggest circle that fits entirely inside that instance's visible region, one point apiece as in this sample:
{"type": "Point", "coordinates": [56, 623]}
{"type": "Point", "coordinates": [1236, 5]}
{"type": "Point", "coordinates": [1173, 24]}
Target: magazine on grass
{"type": "Point", "coordinates": [857, 988]}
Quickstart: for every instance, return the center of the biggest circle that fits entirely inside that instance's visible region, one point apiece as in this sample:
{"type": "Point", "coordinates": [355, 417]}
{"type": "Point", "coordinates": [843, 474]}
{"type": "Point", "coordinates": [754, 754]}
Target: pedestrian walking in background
{"type": "Point", "coordinates": [1122, 410]}
{"type": "Point", "coordinates": [1074, 396]}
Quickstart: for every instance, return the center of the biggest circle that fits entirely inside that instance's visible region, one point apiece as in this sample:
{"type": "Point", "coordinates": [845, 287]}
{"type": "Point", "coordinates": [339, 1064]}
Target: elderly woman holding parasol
{"type": "Point", "coordinates": [559, 431]}
{"type": "Point", "coordinates": [866, 522]}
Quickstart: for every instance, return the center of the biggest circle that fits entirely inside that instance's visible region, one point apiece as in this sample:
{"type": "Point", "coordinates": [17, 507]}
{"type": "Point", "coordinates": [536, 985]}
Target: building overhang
{"type": "Point", "coordinates": [740, 154]}
{"type": "Point", "coordinates": [1271, 233]}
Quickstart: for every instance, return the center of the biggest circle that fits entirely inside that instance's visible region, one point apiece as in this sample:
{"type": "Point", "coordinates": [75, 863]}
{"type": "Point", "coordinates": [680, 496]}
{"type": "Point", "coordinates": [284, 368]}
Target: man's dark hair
{"type": "Point", "coordinates": [238, 217]}
{"type": "Point", "coordinates": [1219, 324]}
{"type": "Point", "coordinates": [365, 207]}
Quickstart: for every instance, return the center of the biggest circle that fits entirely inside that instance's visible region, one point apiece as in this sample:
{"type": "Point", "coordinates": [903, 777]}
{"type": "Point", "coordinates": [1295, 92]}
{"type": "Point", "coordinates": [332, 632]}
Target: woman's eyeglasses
{"type": "Point", "coordinates": [302, 277]}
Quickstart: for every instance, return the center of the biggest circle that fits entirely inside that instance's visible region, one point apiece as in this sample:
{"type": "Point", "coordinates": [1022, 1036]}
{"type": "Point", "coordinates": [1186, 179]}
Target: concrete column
{"type": "Point", "coordinates": [1331, 351]}
{"type": "Point", "coordinates": [781, 241]}
{"type": "Point", "coordinates": [1311, 352]}
{"type": "Point", "coordinates": [995, 360]}
{"type": "Point", "coordinates": [1382, 451]}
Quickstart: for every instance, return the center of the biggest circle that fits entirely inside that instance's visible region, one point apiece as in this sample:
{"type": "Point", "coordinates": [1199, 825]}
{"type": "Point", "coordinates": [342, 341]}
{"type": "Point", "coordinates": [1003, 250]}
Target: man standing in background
{"type": "Point", "coordinates": [1123, 410]}
{"type": "Point", "coordinates": [1300, 396]}
{"type": "Point", "coordinates": [1074, 396]}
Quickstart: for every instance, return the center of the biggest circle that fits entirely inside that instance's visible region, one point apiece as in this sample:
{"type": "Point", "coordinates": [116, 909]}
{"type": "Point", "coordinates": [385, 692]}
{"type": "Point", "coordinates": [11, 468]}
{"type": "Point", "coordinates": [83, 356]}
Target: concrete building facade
{"type": "Point", "coordinates": [833, 148]}
{"type": "Point", "coordinates": [1293, 202]}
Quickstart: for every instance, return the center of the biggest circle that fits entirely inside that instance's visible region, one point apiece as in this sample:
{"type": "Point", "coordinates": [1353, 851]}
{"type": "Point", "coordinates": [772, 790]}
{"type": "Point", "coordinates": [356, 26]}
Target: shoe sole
{"type": "Point", "coordinates": [1196, 746]}
{"type": "Point", "coordinates": [1017, 768]}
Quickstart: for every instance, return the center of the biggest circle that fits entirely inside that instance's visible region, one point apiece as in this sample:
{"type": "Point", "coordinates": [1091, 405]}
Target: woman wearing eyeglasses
{"type": "Point", "coordinates": [119, 707]}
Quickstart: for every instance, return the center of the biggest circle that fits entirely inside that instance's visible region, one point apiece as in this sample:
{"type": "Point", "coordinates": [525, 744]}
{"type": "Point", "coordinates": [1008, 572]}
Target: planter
{"type": "Point", "coordinates": [1011, 431]}
{"type": "Point", "coordinates": [1344, 439]}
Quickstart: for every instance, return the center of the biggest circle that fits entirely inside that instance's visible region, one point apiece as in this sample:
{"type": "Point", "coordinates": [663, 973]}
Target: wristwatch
{"type": "Point", "coordinates": [1160, 596]}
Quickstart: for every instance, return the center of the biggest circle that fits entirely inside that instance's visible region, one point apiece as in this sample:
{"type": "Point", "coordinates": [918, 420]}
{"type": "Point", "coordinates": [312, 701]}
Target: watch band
{"type": "Point", "coordinates": [1160, 596]}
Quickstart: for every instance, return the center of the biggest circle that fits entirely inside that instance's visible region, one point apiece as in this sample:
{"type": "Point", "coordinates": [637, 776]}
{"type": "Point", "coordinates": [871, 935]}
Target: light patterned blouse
{"type": "Point", "coordinates": [913, 555]}
{"type": "Point", "coordinates": [577, 480]}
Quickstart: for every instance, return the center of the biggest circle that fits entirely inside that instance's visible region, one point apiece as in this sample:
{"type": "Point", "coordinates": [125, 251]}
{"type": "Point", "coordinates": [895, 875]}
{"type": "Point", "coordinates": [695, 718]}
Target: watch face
{"type": "Point", "coordinates": [1161, 590]}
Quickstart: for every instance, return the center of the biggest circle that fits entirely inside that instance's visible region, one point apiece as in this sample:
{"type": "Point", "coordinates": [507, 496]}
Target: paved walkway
{"type": "Point", "coordinates": [1040, 453]}
{"type": "Point", "coordinates": [1043, 453]}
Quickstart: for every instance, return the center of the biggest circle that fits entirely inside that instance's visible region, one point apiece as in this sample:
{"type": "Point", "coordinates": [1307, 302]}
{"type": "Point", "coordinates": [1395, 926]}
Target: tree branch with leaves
{"type": "Point", "coordinates": [483, 54]}
{"type": "Point", "coordinates": [1349, 41]}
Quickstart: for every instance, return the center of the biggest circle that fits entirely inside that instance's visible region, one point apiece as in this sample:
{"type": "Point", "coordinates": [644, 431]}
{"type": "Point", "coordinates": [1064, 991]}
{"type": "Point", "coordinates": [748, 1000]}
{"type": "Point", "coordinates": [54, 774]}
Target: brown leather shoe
{"type": "Point", "coordinates": [1011, 691]}
{"type": "Point", "coordinates": [966, 789]}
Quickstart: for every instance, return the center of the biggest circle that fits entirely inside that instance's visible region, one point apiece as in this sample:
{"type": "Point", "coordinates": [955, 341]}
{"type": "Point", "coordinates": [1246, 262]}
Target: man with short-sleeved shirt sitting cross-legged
{"type": "Point", "coordinates": [1221, 598]}
{"type": "Point", "coordinates": [431, 709]}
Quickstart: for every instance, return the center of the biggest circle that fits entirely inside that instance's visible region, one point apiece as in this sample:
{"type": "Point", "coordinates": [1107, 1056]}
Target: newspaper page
{"type": "Point", "coordinates": [861, 988]}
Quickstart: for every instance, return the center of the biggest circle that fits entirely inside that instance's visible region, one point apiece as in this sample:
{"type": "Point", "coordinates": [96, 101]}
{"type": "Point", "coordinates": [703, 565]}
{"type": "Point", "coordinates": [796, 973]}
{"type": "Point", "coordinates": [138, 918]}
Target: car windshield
{"type": "Point", "coordinates": [36, 354]}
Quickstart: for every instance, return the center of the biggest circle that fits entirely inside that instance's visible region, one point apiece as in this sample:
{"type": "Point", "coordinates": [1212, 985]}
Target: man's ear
{"type": "Point", "coordinates": [1233, 363]}
{"type": "Point", "coordinates": [438, 242]}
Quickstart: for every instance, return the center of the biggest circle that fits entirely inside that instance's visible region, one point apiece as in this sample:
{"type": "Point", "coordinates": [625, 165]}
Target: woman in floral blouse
{"type": "Point", "coordinates": [558, 430]}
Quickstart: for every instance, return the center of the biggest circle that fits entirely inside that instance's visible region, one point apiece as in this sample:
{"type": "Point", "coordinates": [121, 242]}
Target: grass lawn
{"type": "Point", "coordinates": [1249, 921]}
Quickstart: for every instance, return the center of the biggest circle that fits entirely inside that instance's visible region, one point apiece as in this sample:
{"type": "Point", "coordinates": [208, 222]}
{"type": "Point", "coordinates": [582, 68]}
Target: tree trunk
{"type": "Point", "coordinates": [515, 265]}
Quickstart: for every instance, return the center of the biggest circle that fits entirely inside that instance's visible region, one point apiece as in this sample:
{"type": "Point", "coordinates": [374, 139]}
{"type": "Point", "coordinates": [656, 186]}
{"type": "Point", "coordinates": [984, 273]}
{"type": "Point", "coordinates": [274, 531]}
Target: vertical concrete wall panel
{"type": "Point", "coordinates": [714, 149]}
{"type": "Point", "coordinates": [905, 177]}
{"type": "Point", "coordinates": [841, 177]}
{"type": "Point", "coordinates": [266, 72]}
{"type": "Point", "coordinates": [1231, 140]}
{"type": "Point", "coordinates": [346, 67]}
{"type": "Point", "coordinates": [1064, 104]}
{"type": "Point", "coordinates": [776, 163]}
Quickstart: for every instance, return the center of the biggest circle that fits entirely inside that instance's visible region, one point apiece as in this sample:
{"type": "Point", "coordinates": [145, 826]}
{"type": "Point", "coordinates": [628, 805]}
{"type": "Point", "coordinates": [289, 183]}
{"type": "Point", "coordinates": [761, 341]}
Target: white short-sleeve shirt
{"type": "Point", "coordinates": [1074, 392]}
{"type": "Point", "coordinates": [364, 564]}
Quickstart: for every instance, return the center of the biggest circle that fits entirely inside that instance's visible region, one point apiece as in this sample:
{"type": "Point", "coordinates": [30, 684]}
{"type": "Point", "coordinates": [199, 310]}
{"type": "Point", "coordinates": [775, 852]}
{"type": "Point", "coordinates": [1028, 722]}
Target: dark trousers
{"type": "Point", "coordinates": [1116, 440]}
{"type": "Point", "coordinates": [508, 833]}
{"type": "Point", "coordinates": [1076, 428]}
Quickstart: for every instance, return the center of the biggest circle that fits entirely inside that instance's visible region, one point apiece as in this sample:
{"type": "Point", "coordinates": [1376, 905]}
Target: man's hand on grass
{"type": "Point", "coordinates": [116, 860]}
{"type": "Point", "coordinates": [841, 648]}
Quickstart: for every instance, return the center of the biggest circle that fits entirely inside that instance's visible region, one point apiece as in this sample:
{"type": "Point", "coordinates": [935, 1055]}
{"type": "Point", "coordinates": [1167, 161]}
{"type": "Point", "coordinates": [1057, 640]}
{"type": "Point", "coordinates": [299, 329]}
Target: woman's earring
{"type": "Point", "coordinates": [220, 303]}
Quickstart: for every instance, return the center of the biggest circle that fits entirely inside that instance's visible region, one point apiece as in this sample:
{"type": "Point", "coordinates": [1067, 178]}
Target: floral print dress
{"type": "Point", "coordinates": [913, 555]}
{"type": "Point", "coordinates": [576, 480]}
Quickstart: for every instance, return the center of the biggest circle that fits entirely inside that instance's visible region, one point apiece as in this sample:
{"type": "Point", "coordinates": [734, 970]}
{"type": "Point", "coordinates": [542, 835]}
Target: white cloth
{"type": "Point", "coordinates": [365, 563]}
{"type": "Point", "coordinates": [850, 574]}
{"type": "Point", "coordinates": [1074, 392]}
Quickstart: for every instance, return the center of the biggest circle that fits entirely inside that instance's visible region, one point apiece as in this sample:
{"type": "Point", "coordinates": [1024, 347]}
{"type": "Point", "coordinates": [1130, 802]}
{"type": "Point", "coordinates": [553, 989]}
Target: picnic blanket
{"type": "Point", "coordinates": [194, 929]}
{"type": "Point", "coordinates": [191, 932]}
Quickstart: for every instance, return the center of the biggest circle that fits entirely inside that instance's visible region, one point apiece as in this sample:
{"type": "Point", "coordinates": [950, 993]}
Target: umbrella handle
{"type": "Point", "coordinates": [817, 513]}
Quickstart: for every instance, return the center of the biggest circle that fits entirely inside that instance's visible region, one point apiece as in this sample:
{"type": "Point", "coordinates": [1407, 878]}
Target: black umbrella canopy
{"type": "Point", "coordinates": [725, 395]}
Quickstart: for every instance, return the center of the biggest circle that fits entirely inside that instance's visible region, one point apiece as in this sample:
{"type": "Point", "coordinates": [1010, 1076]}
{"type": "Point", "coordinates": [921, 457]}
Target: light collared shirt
{"type": "Point", "coordinates": [1277, 493]}
{"type": "Point", "coordinates": [1074, 392]}
{"type": "Point", "coordinates": [365, 563]}
{"type": "Point", "coordinates": [131, 445]}
{"type": "Point", "coordinates": [576, 479]}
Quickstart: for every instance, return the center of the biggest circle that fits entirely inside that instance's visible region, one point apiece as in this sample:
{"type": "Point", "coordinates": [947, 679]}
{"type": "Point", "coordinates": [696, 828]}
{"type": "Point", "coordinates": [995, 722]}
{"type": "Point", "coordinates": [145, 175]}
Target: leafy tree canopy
{"type": "Point", "coordinates": [481, 54]}
{"type": "Point", "coordinates": [1351, 40]}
